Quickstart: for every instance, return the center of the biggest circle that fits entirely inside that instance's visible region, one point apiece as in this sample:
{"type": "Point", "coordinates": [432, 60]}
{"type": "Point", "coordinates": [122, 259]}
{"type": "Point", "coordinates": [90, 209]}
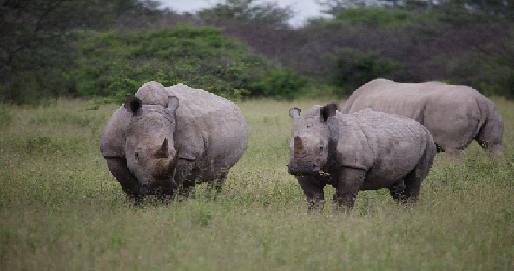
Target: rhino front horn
{"type": "Point", "coordinates": [298, 146]}
{"type": "Point", "coordinates": [163, 152]}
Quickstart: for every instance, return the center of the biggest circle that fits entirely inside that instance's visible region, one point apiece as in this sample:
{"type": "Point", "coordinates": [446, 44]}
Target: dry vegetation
{"type": "Point", "coordinates": [60, 209]}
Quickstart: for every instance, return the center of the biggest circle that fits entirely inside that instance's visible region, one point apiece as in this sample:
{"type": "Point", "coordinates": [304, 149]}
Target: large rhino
{"type": "Point", "coordinates": [164, 140]}
{"type": "Point", "coordinates": [455, 115]}
{"type": "Point", "coordinates": [366, 150]}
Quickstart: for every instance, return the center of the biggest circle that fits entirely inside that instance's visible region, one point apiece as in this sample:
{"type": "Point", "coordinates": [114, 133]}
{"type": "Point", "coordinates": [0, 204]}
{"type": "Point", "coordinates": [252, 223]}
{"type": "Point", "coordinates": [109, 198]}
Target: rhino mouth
{"type": "Point", "coordinates": [164, 186]}
{"type": "Point", "coordinates": [307, 169]}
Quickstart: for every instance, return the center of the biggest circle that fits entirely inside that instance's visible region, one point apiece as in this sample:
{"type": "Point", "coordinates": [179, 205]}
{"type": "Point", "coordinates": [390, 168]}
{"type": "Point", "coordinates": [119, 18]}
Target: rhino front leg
{"type": "Point", "coordinates": [313, 190]}
{"type": "Point", "coordinates": [349, 182]}
{"type": "Point", "coordinates": [129, 184]}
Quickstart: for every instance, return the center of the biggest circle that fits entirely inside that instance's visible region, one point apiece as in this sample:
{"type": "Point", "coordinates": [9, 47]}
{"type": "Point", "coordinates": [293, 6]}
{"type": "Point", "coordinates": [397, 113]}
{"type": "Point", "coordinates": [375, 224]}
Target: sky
{"type": "Point", "coordinates": [303, 9]}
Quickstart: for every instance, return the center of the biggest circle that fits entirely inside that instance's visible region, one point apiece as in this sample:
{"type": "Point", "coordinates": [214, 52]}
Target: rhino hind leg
{"type": "Point", "coordinates": [412, 187]}
{"type": "Point", "coordinates": [313, 190]}
{"type": "Point", "coordinates": [414, 179]}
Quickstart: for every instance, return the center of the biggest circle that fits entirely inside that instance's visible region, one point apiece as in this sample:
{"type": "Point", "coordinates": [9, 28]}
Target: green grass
{"type": "Point", "coordinates": [60, 209]}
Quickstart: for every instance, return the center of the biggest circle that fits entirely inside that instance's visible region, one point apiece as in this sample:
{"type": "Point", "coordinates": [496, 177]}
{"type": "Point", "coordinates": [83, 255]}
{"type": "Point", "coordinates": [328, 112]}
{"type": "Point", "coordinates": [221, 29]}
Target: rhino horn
{"type": "Point", "coordinates": [162, 152]}
{"type": "Point", "coordinates": [298, 146]}
{"type": "Point", "coordinates": [173, 163]}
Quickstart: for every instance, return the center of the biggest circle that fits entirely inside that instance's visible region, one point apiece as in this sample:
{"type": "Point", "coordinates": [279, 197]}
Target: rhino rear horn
{"type": "Point", "coordinates": [327, 111]}
{"type": "Point", "coordinates": [173, 163]}
{"type": "Point", "coordinates": [133, 104]}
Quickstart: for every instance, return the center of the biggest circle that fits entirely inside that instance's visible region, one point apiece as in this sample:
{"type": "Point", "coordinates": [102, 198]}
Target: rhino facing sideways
{"type": "Point", "coordinates": [164, 140]}
{"type": "Point", "coordinates": [454, 114]}
{"type": "Point", "coordinates": [366, 150]}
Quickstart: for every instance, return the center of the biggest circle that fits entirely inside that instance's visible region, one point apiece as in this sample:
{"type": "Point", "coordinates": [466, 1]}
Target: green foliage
{"type": "Point", "coordinates": [376, 17]}
{"type": "Point", "coordinates": [354, 68]}
{"type": "Point", "coordinates": [287, 82]}
{"type": "Point", "coordinates": [36, 51]}
{"type": "Point", "coordinates": [116, 64]}
{"type": "Point", "coordinates": [497, 76]}
{"type": "Point", "coordinates": [247, 11]}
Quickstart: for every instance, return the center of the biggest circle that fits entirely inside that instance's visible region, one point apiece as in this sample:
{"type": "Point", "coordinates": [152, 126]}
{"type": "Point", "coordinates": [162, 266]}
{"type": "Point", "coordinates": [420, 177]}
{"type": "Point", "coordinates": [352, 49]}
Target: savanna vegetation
{"type": "Point", "coordinates": [60, 208]}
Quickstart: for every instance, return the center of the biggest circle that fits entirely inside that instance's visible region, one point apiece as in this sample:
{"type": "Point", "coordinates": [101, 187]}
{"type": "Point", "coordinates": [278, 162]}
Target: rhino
{"type": "Point", "coordinates": [164, 140]}
{"type": "Point", "coordinates": [454, 114]}
{"type": "Point", "coordinates": [364, 150]}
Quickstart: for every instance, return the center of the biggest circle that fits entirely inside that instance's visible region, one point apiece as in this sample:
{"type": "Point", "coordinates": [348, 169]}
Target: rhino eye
{"type": "Point", "coordinates": [136, 155]}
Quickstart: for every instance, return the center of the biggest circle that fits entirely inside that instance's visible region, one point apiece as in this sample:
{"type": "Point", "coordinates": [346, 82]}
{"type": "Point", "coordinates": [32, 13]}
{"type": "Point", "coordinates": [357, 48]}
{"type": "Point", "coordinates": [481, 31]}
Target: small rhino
{"type": "Point", "coordinates": [164, 140]}
{"type": "Point", "coordinates": [365, 150]}
{"type": "Point", "coordinates": [454, 114]}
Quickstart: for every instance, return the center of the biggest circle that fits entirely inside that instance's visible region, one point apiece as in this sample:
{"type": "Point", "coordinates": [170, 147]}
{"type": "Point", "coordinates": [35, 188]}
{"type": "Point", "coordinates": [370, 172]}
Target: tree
{"type": "Point", "coordinates": [37, 36]}
{"type": "Point", "coordinates": [248, 11]}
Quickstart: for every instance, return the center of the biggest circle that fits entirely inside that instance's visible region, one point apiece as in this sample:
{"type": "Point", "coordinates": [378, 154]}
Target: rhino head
{"type": "Point", "coordinates": [149, 148]}
{"type": "Point", "coordinates": [308, 147]}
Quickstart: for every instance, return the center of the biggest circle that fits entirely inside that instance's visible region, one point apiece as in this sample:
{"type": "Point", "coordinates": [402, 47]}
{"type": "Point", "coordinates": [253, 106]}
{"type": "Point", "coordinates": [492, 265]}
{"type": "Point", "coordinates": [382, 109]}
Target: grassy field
{"type": "Point", "coordinates": [60, 209]}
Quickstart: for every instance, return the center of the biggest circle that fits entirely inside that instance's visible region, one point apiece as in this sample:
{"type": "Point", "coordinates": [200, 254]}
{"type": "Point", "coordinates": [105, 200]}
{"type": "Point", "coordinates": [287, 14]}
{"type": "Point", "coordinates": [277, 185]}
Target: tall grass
{"type": "Point", "coordinates": [60, 209]}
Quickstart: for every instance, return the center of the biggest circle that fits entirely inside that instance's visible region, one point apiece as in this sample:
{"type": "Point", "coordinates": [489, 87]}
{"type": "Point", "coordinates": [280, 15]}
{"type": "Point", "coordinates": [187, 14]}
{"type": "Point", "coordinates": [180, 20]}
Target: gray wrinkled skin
{"type": "Point", "coordinates": [455, 115]}
{"type": "Point", "coordinates": [179, 136]}
{"type": "Point", "coordinates": [365, 150]}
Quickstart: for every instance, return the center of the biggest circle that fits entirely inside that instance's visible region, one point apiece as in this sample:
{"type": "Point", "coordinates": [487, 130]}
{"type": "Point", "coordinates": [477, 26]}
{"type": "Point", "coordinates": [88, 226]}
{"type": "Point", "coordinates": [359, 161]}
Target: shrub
{"type": "Point", "coordinates": [376, 17]}
{"type": "Point", "coordinates": [354, 68]}
{"type": "Point", "coordinates": [115, 64]}
{"type": "Point", "coordinates": [280, 83]}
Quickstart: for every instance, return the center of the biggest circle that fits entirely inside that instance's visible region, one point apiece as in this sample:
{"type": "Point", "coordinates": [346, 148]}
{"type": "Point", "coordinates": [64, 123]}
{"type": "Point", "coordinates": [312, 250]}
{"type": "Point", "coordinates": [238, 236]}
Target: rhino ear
{"type": "Point", "coordinates": [172, 104]}
{"type": "Point", "coordinates": [133, 104]}
{"type": "Point", "coordinates": [294, 112]}
{"type": "Point", "coordinates": [327, 111]}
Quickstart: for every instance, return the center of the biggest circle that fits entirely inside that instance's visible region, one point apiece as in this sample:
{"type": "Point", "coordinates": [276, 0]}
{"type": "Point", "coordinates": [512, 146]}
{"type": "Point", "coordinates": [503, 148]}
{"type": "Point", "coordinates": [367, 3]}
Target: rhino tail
{"type": "Point", "coordinates": [490, 135]}
{"type": "Point", "coordinates": [427, 159]}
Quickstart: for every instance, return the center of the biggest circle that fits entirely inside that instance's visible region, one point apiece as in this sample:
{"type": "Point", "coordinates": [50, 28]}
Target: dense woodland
{"type": "Point", "coordinates": [246, 48]}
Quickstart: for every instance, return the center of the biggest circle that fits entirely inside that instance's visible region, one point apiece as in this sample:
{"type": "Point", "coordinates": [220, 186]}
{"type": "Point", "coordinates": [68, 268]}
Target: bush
{"type": "Point", "coordinates": [354, 68]}
{"type": "Point", "coordinates": [116, 64]}
{"type": "Point", "coordinates": [376, 17]}
{"type": "Point", "coordinates": [280, 83]}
